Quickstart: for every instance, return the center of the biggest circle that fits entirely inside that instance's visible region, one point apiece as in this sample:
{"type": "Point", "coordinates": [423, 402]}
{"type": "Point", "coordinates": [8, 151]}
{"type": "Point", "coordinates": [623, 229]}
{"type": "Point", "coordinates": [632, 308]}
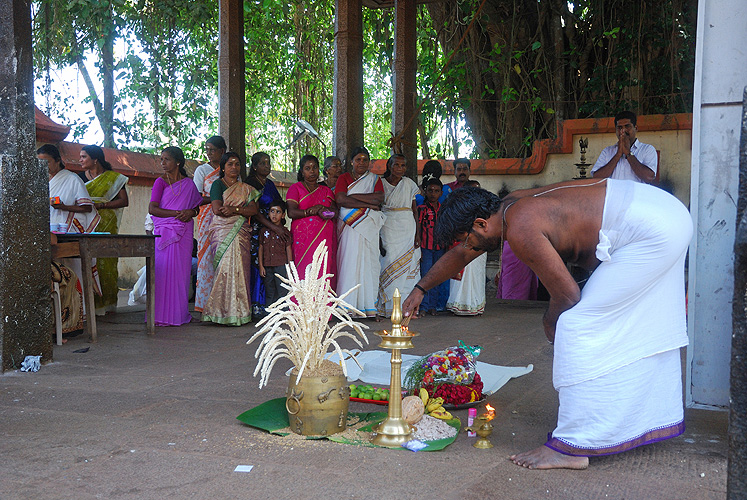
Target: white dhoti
{"type": "Point", "coordinates": [467, 296]}
{"type": "Point", "coordinates": [617, 362]}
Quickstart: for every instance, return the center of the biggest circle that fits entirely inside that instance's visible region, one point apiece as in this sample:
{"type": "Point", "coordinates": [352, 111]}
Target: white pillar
{"type": "Point", "coordinates": [720, 78]}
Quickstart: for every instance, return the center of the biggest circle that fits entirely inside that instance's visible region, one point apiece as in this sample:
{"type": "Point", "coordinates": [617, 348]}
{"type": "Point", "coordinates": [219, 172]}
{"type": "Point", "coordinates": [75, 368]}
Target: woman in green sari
{"type": "Point", "coordinates": [107, 190]}
{"type": "Point", "coordinates": [230, 234]}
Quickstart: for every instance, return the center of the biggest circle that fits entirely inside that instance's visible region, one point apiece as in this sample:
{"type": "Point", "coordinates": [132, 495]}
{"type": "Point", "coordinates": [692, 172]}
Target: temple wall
{"type": "Point", "coordinates": [674, 147]}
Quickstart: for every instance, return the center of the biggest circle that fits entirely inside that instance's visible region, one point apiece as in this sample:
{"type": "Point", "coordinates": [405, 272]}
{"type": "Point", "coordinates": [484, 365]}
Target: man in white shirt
{"type": "Point", "coordinates": [629, 159]}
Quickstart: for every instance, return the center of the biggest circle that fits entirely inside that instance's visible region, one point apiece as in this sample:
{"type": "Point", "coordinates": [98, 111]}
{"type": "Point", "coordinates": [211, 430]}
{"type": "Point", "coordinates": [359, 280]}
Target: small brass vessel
{"type": "Point", "coordinates": [394, 431]}
{"type": "Point", "coordinates": [484, 429]}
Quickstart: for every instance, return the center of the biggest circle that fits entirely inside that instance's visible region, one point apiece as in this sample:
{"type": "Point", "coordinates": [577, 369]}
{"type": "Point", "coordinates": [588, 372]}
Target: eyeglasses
{"type": "Point", "coordinates": [210, 150]}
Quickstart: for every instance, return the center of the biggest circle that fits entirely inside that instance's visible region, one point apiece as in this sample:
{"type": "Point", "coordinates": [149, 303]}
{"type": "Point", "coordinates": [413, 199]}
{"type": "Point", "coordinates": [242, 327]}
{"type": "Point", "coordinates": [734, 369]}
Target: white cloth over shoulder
{"type": "Point", "coordinates": [72, 191]}
{"type": "Point", "coordinates": [617, 364]}
{"type": "Point", "coordinates": [358, 249]}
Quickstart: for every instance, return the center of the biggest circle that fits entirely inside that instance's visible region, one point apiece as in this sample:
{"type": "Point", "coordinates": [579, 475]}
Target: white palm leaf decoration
{"type": "Point", "coordinates": [297, 326]}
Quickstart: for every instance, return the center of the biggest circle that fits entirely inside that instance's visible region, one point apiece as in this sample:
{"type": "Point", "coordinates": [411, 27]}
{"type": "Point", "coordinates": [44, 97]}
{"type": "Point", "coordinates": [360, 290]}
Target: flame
{"type": "Point", "coordinates": [489, 412]}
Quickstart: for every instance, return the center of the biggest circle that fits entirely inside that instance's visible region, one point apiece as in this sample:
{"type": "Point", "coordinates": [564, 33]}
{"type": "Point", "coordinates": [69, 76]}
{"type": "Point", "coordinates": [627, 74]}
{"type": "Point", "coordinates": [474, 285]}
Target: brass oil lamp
{"type": "Point", "coordinates": [483, 428]}
{"type": "Point", "coordinates": [582, 166]}
{"type": "Point", "coordinates": [394, 431]}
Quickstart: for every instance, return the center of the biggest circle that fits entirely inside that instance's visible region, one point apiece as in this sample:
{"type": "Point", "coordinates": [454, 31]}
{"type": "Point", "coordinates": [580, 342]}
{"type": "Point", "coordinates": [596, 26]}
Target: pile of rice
{"type": "Point", "coordinates": [430, 429]}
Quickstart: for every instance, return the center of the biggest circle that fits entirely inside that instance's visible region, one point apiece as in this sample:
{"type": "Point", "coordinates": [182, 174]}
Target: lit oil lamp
{"type": "Point", "coordinates": [394, 431]}
{"type": "Point", "coordinates": [484, 428]}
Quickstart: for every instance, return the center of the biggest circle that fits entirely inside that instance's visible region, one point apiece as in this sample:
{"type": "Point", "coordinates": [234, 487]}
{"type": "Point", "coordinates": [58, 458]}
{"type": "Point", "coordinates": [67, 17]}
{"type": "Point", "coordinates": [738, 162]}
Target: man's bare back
{"type": "Point", "coordinates": [568, 215]}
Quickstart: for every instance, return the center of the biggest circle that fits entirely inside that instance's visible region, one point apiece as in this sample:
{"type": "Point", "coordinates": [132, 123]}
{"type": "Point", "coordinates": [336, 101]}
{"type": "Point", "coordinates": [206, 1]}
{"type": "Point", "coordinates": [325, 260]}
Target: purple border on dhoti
{"type": "Point", "coordinates": [649, 437]}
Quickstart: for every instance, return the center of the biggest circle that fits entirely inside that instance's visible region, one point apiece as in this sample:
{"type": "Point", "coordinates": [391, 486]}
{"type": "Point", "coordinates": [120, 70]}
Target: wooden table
{"type": "Point", "coordinates": [88, 246]}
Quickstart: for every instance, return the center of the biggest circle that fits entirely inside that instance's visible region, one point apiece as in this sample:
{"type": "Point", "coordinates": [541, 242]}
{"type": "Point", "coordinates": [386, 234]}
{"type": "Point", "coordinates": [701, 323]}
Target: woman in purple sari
{"type": "Point", "coordinates": [312, 207]}
{"type": "Point", "coordinates": [174, 202]}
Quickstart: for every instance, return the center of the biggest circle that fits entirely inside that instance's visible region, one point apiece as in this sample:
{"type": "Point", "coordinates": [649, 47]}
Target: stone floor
{"type": "Point", "coordinates": [139, 417]}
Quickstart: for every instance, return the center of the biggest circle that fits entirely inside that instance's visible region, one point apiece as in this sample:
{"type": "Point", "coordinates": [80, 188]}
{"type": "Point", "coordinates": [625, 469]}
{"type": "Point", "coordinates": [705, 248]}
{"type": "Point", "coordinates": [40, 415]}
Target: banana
{"type": "Point", "coordinates": [433, 404]}
{"type": "Point", "coordinates": [424, 396]}
{"type": "Point", "coordinates": [441, 413]}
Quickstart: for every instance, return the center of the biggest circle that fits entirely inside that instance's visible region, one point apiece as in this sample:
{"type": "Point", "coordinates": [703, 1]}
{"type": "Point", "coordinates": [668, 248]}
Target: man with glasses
{"type": "Point", "coordinates": [617, 365]}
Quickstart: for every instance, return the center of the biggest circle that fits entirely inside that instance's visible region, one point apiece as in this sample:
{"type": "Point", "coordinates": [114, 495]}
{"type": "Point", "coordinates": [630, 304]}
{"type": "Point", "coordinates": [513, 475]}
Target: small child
{"type": "Point", "coordinates": [274, 254]}
{"type": "Point", "coordinates": [435, 299]}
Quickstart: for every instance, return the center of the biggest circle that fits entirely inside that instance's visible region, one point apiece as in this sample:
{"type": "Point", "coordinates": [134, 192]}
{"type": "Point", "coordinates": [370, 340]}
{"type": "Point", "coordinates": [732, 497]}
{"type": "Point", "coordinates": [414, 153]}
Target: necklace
{"type": "Point", "coordinates": [309, 189]}
{"type": "Point", "coordinates": [171, 185]}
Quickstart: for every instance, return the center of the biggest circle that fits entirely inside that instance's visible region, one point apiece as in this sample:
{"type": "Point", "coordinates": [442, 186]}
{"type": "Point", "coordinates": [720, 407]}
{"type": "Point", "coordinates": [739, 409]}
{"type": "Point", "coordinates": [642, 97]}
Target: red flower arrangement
{"type": "Point", "coordinates": [450, 374]}
{"type": "Point", "coordinates": [455, 394]}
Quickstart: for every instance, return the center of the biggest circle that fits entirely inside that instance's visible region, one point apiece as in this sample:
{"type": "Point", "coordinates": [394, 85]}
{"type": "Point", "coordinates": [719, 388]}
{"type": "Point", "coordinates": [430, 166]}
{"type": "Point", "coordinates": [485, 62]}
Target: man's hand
{"type": "Point", "coordinates": [623, 144]}
{"type": "Point", "coordinates": [411, 305]}
{"type": "Point", "coordinates": [282, 232]}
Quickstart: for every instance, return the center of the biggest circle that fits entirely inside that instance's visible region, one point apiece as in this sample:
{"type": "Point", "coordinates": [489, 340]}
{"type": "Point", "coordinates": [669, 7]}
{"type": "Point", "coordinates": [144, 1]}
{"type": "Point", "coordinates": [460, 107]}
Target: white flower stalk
{"type": "Point", "coordinates": [297, 326]}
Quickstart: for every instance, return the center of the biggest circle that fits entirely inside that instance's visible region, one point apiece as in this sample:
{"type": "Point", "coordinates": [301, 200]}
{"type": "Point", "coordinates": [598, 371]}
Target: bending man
{"type": "Point", "coordinates": [617, 363]}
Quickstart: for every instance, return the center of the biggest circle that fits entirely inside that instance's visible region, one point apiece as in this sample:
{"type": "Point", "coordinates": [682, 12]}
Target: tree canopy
{"type": "Point", "coordinates": [493, 75]}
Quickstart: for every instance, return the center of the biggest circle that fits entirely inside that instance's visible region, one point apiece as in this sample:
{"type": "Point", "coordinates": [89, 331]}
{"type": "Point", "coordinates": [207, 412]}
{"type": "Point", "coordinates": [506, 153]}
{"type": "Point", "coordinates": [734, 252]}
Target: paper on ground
{"type": "Point", "coordinates": [243, 468]}
{"type": "Point", "coordinates": [377, 369]}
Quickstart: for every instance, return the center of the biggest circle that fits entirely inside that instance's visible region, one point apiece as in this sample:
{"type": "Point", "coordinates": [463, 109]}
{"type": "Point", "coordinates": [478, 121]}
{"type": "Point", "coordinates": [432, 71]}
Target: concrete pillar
{"type": "Point", "coordinates": [405, 90]}
{"type": "Point", "coordinates": [347, 130]}
{"type": "Point", "coordinates": [25, 305]}
{"type": "Point", "coordinates": [720, 77]}
{"type": "Point", "coordinates": [737, 473]}
{"type": "Point", "coordinates": [232, 75]}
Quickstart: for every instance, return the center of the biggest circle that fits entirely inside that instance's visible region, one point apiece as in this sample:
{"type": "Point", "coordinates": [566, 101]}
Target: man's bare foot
{"type": "Point", "coordinates": [546, 458]}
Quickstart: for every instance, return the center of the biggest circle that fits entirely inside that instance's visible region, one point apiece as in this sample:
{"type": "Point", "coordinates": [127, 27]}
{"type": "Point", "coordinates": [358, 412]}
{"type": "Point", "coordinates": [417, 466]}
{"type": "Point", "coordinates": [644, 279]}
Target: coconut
{"type": "Point", "coordinates": [412, 409]}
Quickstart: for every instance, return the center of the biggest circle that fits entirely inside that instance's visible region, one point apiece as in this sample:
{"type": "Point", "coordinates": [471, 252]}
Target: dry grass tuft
{"type": "Point", "coordinates": [298, 327]}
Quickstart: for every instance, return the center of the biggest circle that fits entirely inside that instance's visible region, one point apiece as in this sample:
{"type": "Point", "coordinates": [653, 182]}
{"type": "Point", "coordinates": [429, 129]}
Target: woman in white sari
{"type": "Point", "coordinates": [69, 204]}
{"type": "Point", "coordinates": [400, 240]}
{"type": "Point", "coordinates": [359, 195]}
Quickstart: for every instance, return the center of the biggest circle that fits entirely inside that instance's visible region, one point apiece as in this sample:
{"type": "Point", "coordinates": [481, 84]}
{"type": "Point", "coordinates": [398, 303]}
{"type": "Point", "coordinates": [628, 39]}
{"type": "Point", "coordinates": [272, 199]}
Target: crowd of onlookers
{"type": "Point", "coordinates": [378, 231]}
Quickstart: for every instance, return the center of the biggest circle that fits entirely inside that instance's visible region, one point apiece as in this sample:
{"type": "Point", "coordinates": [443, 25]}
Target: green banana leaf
{"type": "Point", "coordinates": [272, 417]}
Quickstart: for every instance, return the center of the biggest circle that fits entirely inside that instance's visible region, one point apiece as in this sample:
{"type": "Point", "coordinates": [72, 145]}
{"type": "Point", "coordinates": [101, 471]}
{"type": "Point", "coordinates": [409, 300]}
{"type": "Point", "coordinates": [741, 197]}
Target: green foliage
{"type": "Point", "coordinates": [528, 63]}
{"type": "Point", "coordinates": [524, 65]}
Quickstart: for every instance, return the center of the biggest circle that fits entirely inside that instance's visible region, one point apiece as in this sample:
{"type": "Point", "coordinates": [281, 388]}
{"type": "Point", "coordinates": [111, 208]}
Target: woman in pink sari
{"type": "Point", "coordinates": [312, 207]}
{"type": "Point", "coordinates": [174, 203]}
